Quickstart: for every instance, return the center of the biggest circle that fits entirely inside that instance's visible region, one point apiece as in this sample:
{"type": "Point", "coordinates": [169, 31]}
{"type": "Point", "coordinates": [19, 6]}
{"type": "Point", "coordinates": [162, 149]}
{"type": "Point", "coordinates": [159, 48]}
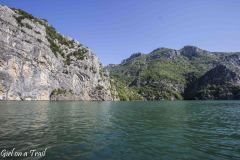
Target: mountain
{"type": "Point", "coordinates": [38, 63]}
{"type": "Point", "coordinates": [188, 73]}
{"type": "Point", "coordinates": [218, 83]}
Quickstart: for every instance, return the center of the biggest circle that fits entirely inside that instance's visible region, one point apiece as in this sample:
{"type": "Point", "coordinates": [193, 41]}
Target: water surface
{"type": "Point", "coordinates": [123, 130]}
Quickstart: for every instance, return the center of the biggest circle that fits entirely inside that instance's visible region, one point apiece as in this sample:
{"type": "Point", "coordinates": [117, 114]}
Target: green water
{"type": "Point", "coordinates": [123, 130]}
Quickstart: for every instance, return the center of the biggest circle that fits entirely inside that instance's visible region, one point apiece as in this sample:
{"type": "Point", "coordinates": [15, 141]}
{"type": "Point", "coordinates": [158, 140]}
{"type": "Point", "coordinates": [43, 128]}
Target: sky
{"type": "Point", "coordinates": [114, 30]}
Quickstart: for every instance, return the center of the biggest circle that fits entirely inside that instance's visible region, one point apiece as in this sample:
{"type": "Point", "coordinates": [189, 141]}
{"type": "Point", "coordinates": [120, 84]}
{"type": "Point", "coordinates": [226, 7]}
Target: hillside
{"type": "Point", "coordinates": [170, 74]}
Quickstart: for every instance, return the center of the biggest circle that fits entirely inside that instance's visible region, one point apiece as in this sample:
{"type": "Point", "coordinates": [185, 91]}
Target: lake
{"type": "Point", "coordinates": [122, 130]}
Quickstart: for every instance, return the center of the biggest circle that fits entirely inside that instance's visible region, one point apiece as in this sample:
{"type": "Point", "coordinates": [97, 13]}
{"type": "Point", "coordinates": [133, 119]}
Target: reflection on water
{"type": "Point", "coordinates": [123, 130]}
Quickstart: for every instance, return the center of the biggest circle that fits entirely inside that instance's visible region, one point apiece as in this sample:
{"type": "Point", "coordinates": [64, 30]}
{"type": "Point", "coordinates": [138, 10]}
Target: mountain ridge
{"type": "Point", "coordinates": [166, 73]}
{"type": "Point", "coordinates": [38, 63]}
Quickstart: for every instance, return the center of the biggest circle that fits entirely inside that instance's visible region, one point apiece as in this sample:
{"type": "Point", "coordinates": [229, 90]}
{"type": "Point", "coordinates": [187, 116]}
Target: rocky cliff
{"type": "Point", "coordinates": [218, 83]}
{"type": "Point", "coordinates": [38, 63]}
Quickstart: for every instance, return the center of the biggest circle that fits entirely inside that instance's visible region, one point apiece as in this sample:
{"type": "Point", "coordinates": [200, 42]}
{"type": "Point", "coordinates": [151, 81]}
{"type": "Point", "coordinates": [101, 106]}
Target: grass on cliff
{"type": "Point", "coordinates": [25, 15]}
{"type": "Point", "coordinates": [60, 91]}
{"type": "Point", "coordinates": [52, 35]}
{"type": "Point", "coordinates": [80, 54]}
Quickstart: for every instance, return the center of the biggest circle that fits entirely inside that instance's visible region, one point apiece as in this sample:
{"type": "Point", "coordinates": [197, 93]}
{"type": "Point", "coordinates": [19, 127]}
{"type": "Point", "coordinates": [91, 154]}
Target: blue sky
{"type": "Point", "coordinates": [116, 29]}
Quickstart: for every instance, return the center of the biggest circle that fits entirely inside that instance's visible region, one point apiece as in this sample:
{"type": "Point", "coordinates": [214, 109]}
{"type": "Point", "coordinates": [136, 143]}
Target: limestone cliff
{"type": "Point", "coordinates": [38, 63]}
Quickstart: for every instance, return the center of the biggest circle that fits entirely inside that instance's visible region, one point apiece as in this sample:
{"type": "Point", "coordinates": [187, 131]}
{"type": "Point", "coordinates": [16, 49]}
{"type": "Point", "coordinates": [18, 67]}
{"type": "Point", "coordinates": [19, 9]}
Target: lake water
{"type": "Point", "coordinates": [123, 130]}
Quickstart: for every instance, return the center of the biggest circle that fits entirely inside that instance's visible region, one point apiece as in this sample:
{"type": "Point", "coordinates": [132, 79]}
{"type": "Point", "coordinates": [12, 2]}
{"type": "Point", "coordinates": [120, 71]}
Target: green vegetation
{"type": "Point", "coordinates": [54, 47]}
{"type": "Point", "coordinates": [28, 41]}
{"type": "Point", "coordinates": [37, 32]}
{"type": "Point", "coordinates": [125, 93]}
{"type": "Point", "coordinates": [25, 15]}
{"type": "Point", "coordinates": [61, 91]}
{"type": "Point", "coordinates": [152, 79]}
{"type": "Point", "coordinates": [224, 91]}
{"type": "Point", "coordinates": [28, 26]}
{"type": "Point", "coordinates": [53, 36]}
{"type": "Point", "coordinates": [68, 60]}
{"type": "Point", "coordinates": [162, 74]}
{"type": "Point", "coordinates": [99, 87]}
{"type": "Point", "coordinates": [22, 15]}
{"type": "Point", "coordinates": [23, 31]}
{"type": "Point", "coordinates": [159, 94]}
{"type": "Point", "coordinates": [39, 40]}
{"type": "Point", "coordinates": [79, 55]}
{"type": "Point", "coordinates": [218, 92]}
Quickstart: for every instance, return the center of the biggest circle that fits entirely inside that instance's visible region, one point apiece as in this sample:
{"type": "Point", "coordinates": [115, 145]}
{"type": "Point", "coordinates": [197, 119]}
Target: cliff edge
{"type": "Point", "coordinates": [38, 63]}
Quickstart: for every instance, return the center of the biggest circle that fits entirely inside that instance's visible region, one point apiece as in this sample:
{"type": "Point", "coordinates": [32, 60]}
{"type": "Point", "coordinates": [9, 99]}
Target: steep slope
{"type": "Point", "coordinates": [167, 73]}
{"type": "Point", "coordinates": [218, 83]}
{"type": "Point", "coordinates": [38, 63]}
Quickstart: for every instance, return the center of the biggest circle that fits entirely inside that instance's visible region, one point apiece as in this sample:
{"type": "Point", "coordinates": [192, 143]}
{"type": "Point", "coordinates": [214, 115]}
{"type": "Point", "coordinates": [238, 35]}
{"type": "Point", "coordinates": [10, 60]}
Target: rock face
{"type": "Point", "coordinates": [218, 83]}
{"type": "Point", "coordinates": [192, 51]}
{"type": "Point", "coordinates": [38, 63]}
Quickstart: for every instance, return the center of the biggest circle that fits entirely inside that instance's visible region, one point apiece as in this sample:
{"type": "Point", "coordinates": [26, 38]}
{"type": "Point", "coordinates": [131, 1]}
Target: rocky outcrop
{"type": "Point", "coordinates": [163, 53]}
{"type": "Point", "coordinates": [192, 51]}
{"type": "Point", "coordinates": [233, 61]}
{"type": "Point", "coordinates": [38, 63]}
{"type": "Point", "coordinates": [218, 83]}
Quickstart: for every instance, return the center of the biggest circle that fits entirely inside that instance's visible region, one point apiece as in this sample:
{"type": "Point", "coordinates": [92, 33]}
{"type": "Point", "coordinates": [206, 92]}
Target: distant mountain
{"type": "Point", "coordinates": [188, 73]}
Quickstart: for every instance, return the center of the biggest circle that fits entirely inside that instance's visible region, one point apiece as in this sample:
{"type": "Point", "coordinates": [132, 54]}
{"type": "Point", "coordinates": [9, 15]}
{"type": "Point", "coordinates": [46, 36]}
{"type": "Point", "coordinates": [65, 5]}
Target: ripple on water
{"type": "Point", "coordinates": [123, 130]}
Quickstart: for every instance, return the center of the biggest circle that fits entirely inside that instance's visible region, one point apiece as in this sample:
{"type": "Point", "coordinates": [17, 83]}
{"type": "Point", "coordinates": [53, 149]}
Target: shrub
{"type": "Point", "coordinates": [28, 41]}
{"type": "Point", "coordinates": [39, 40]}
{"type": "Point", "coordinates": [61, 91]}
{"type": "Point", "coordinates": [99, 87]}
{"type": "Point", "coordinates": [37, 32]}
{"type": "Point", "coordinates": [80, 53]}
